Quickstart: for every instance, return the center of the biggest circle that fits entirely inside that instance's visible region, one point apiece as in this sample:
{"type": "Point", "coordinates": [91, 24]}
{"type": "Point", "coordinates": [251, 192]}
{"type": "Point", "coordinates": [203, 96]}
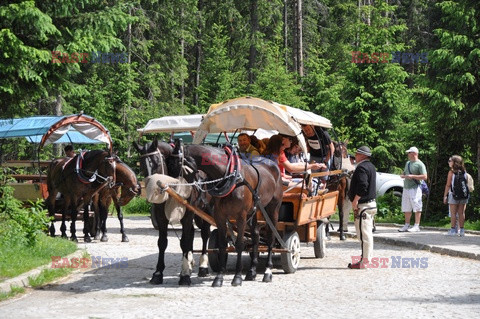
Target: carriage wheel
{"type": "Point", "coordinates": [291, 260]}
{"type": "Point", "coordinates": [213, 256]}
{"type": "Point", "coordinates": [319, 245]}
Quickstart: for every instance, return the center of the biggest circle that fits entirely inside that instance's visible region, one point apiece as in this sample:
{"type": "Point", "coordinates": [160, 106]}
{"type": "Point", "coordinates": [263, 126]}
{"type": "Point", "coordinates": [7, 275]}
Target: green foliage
{"type": "Point", "coordinates": [19, 226]}
{"type": "Point", "coordinates": [389, 208]}
{"type": "Point", "coordinates": [137, 206]}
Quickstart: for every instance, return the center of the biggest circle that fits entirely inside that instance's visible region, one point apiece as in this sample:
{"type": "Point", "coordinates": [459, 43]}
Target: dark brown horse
{"type": "Point", "coordinates": [153, 160]}
{"type": "Point", "coordinates": [341, 183]}
{"type": "Point", "coordinates": [125, 189]}
{"type": "Point", "coordinates": [237, 194]}
{"type": "Point", "coordinates": [78, 180]}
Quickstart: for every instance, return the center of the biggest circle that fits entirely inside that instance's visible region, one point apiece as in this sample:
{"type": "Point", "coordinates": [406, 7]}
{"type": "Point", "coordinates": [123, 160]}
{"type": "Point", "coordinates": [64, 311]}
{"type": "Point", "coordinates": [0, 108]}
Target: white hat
{"type": "Point", "coordinates": [412, 149]}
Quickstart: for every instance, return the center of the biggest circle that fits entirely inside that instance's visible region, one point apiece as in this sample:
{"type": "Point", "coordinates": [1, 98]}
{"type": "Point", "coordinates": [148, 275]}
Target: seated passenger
{"type": "Point", "coordinates": [258, 144]}
{"type": "Point", "coordinates": [246, 149]}
{"type": "Point", "coordinates": [276, 151]}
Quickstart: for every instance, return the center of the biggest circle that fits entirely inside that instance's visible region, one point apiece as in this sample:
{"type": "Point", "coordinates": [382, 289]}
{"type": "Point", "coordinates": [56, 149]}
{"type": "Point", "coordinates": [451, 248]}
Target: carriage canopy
{"type": "Point", "coordinates": [249, 113]}
{"type": "Point", "coordinates": [56, 129]}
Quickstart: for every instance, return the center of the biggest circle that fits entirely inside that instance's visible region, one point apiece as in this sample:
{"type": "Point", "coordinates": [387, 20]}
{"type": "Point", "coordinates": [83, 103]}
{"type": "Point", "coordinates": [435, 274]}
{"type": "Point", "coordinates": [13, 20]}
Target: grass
{"type": "Point", "coordinates": [48, 275]}
{"type": "Point", "coordinates": [17, 260]}
{"type": "Point", "coordinates": [14, 290]}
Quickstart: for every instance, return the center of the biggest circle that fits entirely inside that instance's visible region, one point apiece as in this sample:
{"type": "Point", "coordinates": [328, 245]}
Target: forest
{"type": "Point", "coordinates": [389, 74]}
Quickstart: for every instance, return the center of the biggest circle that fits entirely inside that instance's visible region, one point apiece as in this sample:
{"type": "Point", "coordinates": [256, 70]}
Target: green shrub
{"type": "Point", "coordinates": [18, 225]}
{"type": "Point", "coordinates": [389, 208]}
{"type": "Point", "coordinates": [137, 206]}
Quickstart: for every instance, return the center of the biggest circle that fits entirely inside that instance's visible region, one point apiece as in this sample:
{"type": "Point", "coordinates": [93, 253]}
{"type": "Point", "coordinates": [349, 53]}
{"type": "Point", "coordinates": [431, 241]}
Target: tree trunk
{"type": "Point", "coordinates": [253, 50]}
{"type": "Point", "coordinates": [300, 38]}
{"type": "Point", "coordinates": [285, 32]}
{"type": "Point", "coordinates": [198, 54]}
{"type": "Point", "coordinates": [294, 37]}
{"type": "Point", "coordinates": [182, 50]}
{"type": "Point", "coordinates": [57, 151]}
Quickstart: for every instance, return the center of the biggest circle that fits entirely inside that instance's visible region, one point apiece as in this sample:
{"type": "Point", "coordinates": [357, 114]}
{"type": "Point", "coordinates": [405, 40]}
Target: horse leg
{"type": "Point", "coordinates": [341, 215]}
{"type": "Point", "coordinates": [273, 213]}
{"type": "Point", "coordinates": [103, 220]}
{"type": "Point", "coordinates": [205, 232]}
{"type": "Point", "coordinates": [96, 212]}
{"type": "Point", "coordinates": [120, 219]}
{"type": "Point", "coordinates": [86, 224]}
{"type": "Point", "coordinates": [222, 252]}
{"type": "Point", "coordinates": [239, 245]}
{"type": "Point", "coordinates": [73, 214]}
{"type": "Point", "coordinates": [186, 243]}
{"type": "Point", "coordinates": [162, 222]}
{"type": "Point", "coordinates": [63, 227]}
{"type": "Point", "coordinates": [252, 272]}
{"type": "Point", "coordinates": [51, 212]}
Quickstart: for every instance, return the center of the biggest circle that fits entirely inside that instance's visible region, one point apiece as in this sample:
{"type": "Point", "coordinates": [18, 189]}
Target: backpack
{"type": "Point", "coordinates": [422, 184]}
{"type": "Point", "coordinates": [470, 185]}
{"type": "Point", "coordinates": [459, 186]}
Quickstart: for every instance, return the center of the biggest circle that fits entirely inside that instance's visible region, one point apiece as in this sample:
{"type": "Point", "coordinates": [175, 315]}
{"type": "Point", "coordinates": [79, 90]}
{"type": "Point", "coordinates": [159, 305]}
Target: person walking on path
{"type": "Point", "coordinates": [414, 172]}
{"type": "Point", "coordinates": [362, 193]}
{"type": "Point", "coordinates": [456, 194]}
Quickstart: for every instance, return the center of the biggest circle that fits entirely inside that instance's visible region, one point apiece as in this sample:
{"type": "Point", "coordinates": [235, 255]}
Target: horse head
{"type": "Point", "coordinates": [180, 165]}
{"type": "Point", "coordinates": [130, 187]}
{"type": "Point", "coordinates": [152, 157]}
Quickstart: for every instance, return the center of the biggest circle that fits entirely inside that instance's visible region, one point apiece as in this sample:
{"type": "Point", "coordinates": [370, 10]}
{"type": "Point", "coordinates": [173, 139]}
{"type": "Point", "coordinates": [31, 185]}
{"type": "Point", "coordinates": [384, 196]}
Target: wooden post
{"type": "Point", "coordinates": [183, 201]}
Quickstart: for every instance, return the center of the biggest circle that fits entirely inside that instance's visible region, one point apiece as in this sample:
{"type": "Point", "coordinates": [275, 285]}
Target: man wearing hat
{"type": "Point", "coordinates": [362, 193]}
{"type": "Point", "coordinates": [414, 172]}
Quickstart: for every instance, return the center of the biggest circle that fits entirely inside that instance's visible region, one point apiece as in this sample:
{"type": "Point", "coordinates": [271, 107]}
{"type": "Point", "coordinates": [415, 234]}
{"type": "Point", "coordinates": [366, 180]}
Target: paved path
{"type": "Point", "coordinates": [430, 238]}
{"type": "Point", "coordinates": [445, 287]}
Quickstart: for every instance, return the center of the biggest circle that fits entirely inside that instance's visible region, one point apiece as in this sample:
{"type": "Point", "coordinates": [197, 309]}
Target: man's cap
{"type": "Point", "coordinates": [412, 149]}
{"type": "Point", "coordinates": [364, 150]}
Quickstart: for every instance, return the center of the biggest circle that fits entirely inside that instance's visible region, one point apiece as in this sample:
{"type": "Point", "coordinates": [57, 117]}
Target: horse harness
{"type": "Point", "coordinates": [88, 180]}
{"type": "Point", "coordinates": [150, 161]}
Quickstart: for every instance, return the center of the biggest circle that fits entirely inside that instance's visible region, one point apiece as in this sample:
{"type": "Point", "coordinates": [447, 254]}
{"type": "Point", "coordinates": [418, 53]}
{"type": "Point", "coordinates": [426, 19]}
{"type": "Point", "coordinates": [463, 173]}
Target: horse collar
{"type": "Point", "coordinates": [78, 169]}
{"type": "Point", "coordinates": [232, 178]}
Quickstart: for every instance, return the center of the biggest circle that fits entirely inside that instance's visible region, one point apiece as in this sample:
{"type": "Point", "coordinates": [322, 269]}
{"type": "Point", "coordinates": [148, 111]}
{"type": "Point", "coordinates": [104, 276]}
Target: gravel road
{"type": "Point", "coordinates": [446, 287]}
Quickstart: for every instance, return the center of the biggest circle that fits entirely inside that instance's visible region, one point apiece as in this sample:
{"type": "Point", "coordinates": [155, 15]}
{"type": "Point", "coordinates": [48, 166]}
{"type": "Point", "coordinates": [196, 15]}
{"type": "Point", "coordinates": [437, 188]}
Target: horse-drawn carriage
{"type": "Point", "coordinates": [238, 195]}
{"type": "Point", "coordinates": [34, 184]}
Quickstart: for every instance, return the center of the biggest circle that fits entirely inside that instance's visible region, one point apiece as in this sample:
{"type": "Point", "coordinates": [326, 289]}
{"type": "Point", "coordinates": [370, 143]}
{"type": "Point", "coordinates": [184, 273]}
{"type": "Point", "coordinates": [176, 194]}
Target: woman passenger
{"type": "Point", "coordinates": [276, 151]}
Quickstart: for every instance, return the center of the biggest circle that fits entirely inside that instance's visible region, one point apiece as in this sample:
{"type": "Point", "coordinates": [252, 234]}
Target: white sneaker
{"type": "Point", "coordinates": [462, 232]}
{"type": "Point", "coordinates": [404, 228]}
{"type": "Point", "coordinates": [452, 232]}
{"type": "Point", "coordinates": [414, 229]}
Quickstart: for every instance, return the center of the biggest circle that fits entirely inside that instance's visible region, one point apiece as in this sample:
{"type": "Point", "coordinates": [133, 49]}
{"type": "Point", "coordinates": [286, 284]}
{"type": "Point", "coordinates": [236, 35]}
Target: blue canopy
{"type": "Point", "coordinates": [56, 129]}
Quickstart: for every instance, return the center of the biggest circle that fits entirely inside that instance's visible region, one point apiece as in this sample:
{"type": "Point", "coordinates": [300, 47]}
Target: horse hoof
{"type": "Point", "coordinates": [342, 237]}
{"type": "Point", "coordinates": [185, 281]}
{"type": "Point", "coordinates": [202, 272]}
{"type": "Point", "coordinates": [250, 276]}
{"type": "Point", "coordinates": [87, 239]}
{"type": "Point", "coordinates": [74, 238]}
{"type": "Point", "coordinates": [267, 278]}
{"type": "Point", "coordinates": [64, 236]}
{"type": "Point", "coordinates": [237, 280]}
{"type": "Point", "coordinates": [125, 239]}
{"type": "Point", "coordinates": [217, 282]}
{"type": "Point", "coordinates": [104, 238]}
{"type": "Point", "coordinates": [52, 231]}
{"type": "Point", "coordinates": [97, 237]}
{"type": "Point", "coordinates": [156, 279]}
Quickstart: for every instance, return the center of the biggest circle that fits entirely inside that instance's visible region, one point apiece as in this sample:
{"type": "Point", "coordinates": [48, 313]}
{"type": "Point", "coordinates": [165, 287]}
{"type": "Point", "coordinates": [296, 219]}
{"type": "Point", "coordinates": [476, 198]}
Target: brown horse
{"type": "Point", "coordinates": [125, 190]}
{"type": "Point", "coordinates": [240, 188]}
{"type": "Point", "coordinates": [153, 160]}
{"type": "Point", "coordinates": [341, 183]}
{"type": "Point", "coordinates": [78, 179]}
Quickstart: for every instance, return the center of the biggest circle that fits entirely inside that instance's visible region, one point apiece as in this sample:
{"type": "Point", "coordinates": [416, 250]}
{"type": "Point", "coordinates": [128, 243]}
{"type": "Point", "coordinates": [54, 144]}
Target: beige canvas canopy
{"type": "Point", "coordinates": [173, 123]}
{"type": "Point", "coordinates": [250, 113]}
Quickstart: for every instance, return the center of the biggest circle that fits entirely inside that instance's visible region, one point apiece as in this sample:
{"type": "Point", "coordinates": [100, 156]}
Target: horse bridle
{"type": "Point", "coordinates": [150, 161]}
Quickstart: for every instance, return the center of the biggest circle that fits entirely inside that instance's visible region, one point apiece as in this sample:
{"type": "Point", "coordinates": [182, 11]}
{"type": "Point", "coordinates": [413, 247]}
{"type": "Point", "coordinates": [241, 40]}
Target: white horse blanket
{"type": "Point", "coordinates": [174, 211]}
